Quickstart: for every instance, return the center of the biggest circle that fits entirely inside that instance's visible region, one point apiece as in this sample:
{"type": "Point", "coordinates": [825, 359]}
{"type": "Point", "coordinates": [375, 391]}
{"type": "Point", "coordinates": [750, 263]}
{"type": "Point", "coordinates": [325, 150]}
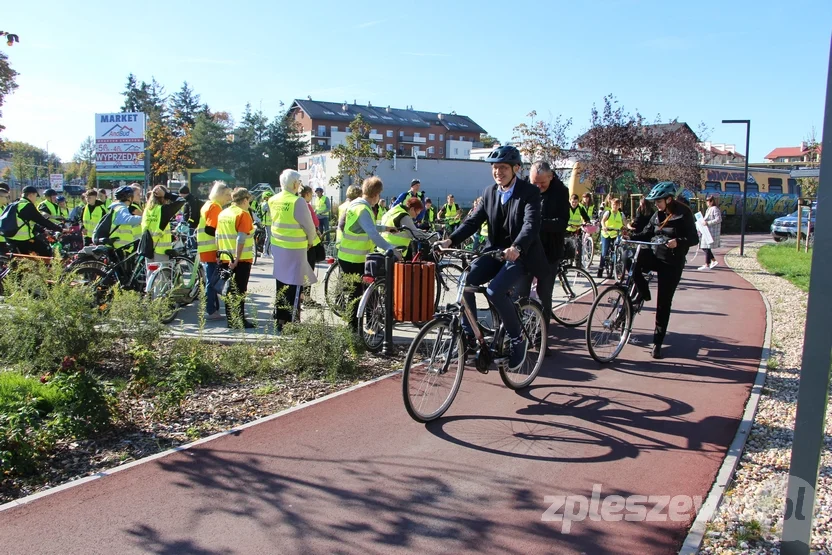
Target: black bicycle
{"type": "Point", "coordinates": [435, 361]}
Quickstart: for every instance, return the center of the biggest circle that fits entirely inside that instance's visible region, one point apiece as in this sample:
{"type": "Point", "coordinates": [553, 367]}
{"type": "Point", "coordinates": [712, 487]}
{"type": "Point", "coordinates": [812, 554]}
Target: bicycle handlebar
{"type": "Point", "coordinates": [496, 254]}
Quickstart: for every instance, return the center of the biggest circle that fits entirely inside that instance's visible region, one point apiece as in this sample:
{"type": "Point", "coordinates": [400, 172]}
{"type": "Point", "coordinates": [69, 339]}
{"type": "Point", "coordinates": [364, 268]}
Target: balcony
{"type": "Point", "coordinates": [376, 137]}
{"type": "Point", "coordinates": [412, 139]}
{"type": "Point", "coordinates": [320, 133]}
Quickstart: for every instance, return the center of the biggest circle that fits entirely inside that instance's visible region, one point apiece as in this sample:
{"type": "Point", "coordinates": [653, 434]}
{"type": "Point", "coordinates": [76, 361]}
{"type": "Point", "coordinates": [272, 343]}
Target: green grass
{"type": "Point", "coordinates": [783, 260]}
{"type": "Point", "coordinates": [15, 387]}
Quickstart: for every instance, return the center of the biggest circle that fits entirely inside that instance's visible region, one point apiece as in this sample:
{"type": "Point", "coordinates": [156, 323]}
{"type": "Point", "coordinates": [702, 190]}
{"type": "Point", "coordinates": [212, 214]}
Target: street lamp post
{"type": "Point", "coordinates": [747, 123]}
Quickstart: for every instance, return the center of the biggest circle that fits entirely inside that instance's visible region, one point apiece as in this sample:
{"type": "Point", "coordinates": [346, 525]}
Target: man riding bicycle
{"type": "Point", "coordinates": [511, 207]}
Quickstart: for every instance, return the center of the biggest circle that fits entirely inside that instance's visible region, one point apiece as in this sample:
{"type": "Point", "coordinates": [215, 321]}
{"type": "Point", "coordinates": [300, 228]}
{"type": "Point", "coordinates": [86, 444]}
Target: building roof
{"type": "Point", "coordinates": [657, 129]}
{"type": "Point", "coordinates": [339, 111]}
{"type": "Point", "coordinates": [785, 151]}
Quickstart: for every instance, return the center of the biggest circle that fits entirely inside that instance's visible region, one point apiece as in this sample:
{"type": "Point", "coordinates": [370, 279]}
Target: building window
{"type": "Point", "coordinates": [389, 133]}
{"type": "Point", "coordinates": [441, 137]}
{"type": "Point", "coordinates": [416, 135]}
{"type": "Point", "coordinates": [441, 150]}
{"type": "Point", "coordinates": [431, 137]}
{"type": "Point", "coordinates": [401, 134]}
{"type": "Point", "coordinates": [752, 188]}
{"type": "Point", "coordinates": [713, 186]}
{"type": "Point", "coordinates": [374, 131]}
{"type": "Point", "coordinates": [388, 147]}
{"type": "Point", "coordinates": [430, 150]}
{"type": "Point", "coordinates": [775, 185]}
{"type": "Point", "coordinates": [792, 187]}
{"type": "Point", "coordinates": [322, 130]}
{"type": "Point", "coordinates": [456, 152]}
{"type": "Point", "coordinates": [322, 143]}
{"type": "Point", "coordinates": [461, 137]}
{"type": "Point", "coordinates": [334, 129]}
{"type": "Point", "coordinates": [732, 187]}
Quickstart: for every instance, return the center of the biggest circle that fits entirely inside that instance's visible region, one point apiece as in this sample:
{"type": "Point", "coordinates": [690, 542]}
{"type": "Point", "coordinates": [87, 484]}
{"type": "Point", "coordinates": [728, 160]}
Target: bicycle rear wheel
{"type": "Point", "coordinates": [609, 324]}
{"type": "Point", "coordinates": [371, 314]}
{"type": "Point", "coordinates": [572, 300]}
{"type": "Point", "coordinates": [328, 240]}
{"type": "Point", "coordinates": [534, 328]}
{"type": "Point", "coordinates": [433, 370]}
{"type": "Point", "coordinates": [334, 291]}
{"type": "Point", "coordinates": [160, 288]}
{"type": "Point", "coordinates": [619, 263]}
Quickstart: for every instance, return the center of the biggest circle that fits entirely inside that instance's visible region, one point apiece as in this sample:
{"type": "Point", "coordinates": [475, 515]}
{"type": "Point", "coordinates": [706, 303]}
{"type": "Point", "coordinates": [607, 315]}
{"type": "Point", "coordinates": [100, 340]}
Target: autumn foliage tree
{"type": "Point", "coordinates": [542, 140]}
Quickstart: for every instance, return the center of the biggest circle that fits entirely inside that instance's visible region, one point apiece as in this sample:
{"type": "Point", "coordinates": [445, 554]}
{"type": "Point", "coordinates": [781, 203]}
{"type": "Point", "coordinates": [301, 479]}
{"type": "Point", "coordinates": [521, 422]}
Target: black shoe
{"type": "Point", "coordinates": [656, 352]}
{"type": "Point", "coordinates": [600, 273]}
{"type": "Point", "coordinates": [247, 324]}
{"type": "Point", "coordinates": [470, 345]}
{"type": "Point", "coordinates": [518, 354]}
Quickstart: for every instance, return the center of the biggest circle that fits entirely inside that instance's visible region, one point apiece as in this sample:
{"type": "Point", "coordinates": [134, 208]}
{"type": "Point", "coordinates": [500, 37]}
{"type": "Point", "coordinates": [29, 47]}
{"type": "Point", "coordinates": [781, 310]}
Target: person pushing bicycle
{"type": "Point", "coordinates": [673, 228]}
{"type": "Point", "coordinates": [511, 207]}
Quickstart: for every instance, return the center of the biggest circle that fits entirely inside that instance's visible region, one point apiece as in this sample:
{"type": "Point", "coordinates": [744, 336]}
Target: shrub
{"type": "Point", "coordinates": [15, 388]}
{"type": "Point", "coordinates": [24, 437]}
{"type": "Point", "coordinates": [188, 367]}
{"type": "Point", "coordinates": [315, 348]}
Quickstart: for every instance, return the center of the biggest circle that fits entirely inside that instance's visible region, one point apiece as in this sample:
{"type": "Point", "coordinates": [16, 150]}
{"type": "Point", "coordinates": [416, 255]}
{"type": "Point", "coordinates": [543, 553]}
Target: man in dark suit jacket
{"type": "Point", "coordinates": [554, 216]}
{"type": "Point", "coordinates": [512, 209]}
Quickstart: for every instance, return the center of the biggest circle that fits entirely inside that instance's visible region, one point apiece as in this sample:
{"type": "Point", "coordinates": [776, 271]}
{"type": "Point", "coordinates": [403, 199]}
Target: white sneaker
{"type": "Point", "coordinates": [702, 268]}
{"type": "Point", "coordinates": [714, 264]}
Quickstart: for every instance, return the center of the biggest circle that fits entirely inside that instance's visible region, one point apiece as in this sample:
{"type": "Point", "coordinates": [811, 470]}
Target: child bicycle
{"type": "Point", "coordinates": [613, 312]}
{"type": "Point", "coordinates": [435, 360]}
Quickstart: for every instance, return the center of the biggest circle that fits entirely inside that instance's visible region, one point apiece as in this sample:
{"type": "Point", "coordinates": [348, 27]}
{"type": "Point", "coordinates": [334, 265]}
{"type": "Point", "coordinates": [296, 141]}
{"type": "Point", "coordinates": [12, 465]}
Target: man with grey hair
{"type": "Point", "coordinates": [554, 217]}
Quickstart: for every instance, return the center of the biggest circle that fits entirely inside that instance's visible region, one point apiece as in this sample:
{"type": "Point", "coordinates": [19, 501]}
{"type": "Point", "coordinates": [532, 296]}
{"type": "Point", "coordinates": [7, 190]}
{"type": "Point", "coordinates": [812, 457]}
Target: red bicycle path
{"type": "Point", "coordinates": [354, 474]}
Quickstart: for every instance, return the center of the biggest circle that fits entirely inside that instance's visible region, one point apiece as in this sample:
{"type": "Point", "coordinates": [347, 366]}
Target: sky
{"type": "Point", "coordinates": [495, 62]}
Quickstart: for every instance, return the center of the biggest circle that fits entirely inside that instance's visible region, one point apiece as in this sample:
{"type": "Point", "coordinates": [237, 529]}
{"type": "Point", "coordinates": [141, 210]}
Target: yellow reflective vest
{"type": "Point", "coordinates": [24, 229]}
{"type": "Point", "coordinates": [615, 222]}
{"type": "Point", "coordinates": [227, 233]}
{"type": "Point", "coordinates": [575, 219]}
{"type": "Point", "coordinates": [286, 231]}
{"type": "Point", "coordinates": [91, 216]}
{"type": "Point", "coordinates": [151, 222]}
{"type": "Point", "coordinates": [399, 239]}
{"type": "Point", "coordinates": [355, 242]}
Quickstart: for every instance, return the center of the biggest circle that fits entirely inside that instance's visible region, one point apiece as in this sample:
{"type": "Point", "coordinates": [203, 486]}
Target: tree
{"type": "Point", "coordinates": [487, 140]}
{"type": "Point", "coordinates": [185, 106]}
{"type": "Point", "coordinates": [285, 143]}
{"type": "Point", "coordinates": [679, 156]}
{"type": "Point", "coordinates": [814, 150]}
{"type": "Point", "coordinates": [209, 140]}
{"type": "Point", "coordinates": [8, 81]}
{"type": "Point", "coordinates": [249, 148]}
{"type": "Point", "coordinates": [84, 159]}
{"type": "Point", "coordinates": [617, 146]}
{"type": "Point", "coordinates": [356, 155]}
{"type": "Point", "coordinates": [169, 152]}
{"type": "Point", "coordinates": [542, 140]}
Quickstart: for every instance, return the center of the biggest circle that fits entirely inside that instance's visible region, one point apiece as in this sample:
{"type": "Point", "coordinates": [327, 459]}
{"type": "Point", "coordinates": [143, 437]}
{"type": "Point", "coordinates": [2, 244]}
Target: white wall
{"type": "Point", "coordinates": [460, 150]}
{"type": "Point", "coordinates": [466, 179]}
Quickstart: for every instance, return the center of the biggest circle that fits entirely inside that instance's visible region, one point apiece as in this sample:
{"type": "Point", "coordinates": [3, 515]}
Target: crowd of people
{"type": "Point", "coordinates": [530, 221]}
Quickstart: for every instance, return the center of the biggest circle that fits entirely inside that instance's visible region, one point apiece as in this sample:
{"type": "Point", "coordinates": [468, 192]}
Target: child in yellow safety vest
{"type": "Point", "coordinates": [611, 223]}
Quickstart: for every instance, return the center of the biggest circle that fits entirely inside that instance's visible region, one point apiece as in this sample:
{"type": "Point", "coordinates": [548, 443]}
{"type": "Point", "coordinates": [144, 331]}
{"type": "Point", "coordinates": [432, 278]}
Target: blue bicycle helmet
{"type": "Point", "coordinates": [662, 190]}
{"type": "Point", "coordinates": [124, 193]}
{"type": "Point", "coordinates": [505, 155]}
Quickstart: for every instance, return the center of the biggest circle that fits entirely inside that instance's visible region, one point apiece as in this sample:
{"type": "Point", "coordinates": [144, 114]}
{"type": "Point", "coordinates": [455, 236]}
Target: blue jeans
{"type": "Point", "coordinates": [477, 240]}
{"type": "Point", "coordinates": [323, 223]}
{"type": "Point", "coordinates": [606, 243]}
{"type": "Point", "coordinates": [504, 276]}
{"type": "Point", "coordinates": [212, 300]}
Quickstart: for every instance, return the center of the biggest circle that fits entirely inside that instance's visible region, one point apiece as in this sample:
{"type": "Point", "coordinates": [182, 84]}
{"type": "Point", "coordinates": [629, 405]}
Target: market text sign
{"type": "Point", "coordinates": [119, 142]}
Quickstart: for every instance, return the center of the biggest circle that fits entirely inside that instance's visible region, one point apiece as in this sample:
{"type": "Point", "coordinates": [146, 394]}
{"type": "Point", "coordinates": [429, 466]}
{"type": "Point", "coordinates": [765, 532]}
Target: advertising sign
{"type": "Point", "coordinates": [56, 181]}
{"type": "Point", "coordinates": [119, 142]}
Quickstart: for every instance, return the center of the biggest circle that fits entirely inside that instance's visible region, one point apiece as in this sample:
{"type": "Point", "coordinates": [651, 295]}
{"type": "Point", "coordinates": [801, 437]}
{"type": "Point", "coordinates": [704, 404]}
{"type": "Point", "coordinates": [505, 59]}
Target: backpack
{"type": "Point", "coordinates": [8, 220]}
{"type": "Point", "coordinates": [104, 228]}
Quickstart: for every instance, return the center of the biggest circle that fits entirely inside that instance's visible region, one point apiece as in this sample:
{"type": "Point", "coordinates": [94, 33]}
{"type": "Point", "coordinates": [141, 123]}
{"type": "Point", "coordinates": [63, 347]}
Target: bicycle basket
{"type": "Point", "coordinates": [590, 228]}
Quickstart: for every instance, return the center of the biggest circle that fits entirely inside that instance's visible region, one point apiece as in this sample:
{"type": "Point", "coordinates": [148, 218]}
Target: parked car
{"type": "Point", "coordinates": [74, 190]}
{"type": "Point", "coordinates": [785, 227]}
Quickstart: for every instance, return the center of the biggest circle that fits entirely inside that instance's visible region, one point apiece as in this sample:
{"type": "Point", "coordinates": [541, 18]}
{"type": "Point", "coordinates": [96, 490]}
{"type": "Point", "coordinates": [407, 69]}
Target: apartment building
{"type": "Point", "coordinates": [719, 154]}
{"type": "Point", "coordinates": [405, 132]}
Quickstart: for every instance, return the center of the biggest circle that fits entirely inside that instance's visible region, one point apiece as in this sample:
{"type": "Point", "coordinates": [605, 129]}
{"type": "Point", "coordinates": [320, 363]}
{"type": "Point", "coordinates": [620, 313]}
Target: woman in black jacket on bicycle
{"type": "Point", "coordinates": [673, 228]}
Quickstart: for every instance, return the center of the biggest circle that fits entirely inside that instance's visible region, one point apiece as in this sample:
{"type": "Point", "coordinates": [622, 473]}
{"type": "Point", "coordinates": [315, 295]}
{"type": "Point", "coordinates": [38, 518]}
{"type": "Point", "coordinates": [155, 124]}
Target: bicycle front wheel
{"type": "Point", "coordinates": [534, 329]}
{"type": "Point", "coordinates": [573, 298]}
{"type": "Point", "coordinates": [330, 247]}
{"type": "Point", "coordinates": [609, 324]}
{"type": "Point", "coordinates": [371, 314]}
{"type": "Point", "coordinates": [334, 290]}
{"type": "Point", "coordinates": [433, 370]}
{"type": "Point", "coordinates": [619, 263]}
{"type": "Point", "coordinates": [587, 251]}
{"type": "Point", "coordinates": [447, 284]}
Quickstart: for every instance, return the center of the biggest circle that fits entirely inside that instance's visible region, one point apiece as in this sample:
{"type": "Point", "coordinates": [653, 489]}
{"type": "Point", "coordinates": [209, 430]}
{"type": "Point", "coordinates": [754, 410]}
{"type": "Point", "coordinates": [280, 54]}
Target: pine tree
{"type": "Point", "coordinates": [185, 106]}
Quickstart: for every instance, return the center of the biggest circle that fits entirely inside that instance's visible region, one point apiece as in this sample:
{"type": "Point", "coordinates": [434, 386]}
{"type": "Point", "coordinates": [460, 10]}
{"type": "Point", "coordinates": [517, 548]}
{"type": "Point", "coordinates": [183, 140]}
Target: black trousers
{"type": "Point", "coordinates": [668, 277]}
{"type": "Point", "coordinates": [545, 287]}
{"type": "Point", "coordinates": [35, 246]}
{"type": "Point", "coordinates": [239, 286]}
{"type": "Point", "coordinates": [354, 288]}
{"type": "Point", "coordinates": [284, 301]}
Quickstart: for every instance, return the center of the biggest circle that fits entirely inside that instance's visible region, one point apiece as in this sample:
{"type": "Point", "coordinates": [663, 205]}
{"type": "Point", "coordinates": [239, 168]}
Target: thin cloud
{"type": "Point", "coordinates": [426, 54]}
{"type": "Point", "coordinates": [369, 24]}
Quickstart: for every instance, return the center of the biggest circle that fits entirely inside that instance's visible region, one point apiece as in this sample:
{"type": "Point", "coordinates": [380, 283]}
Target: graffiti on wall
{"type": "Point", "coordinates": [772, 204]}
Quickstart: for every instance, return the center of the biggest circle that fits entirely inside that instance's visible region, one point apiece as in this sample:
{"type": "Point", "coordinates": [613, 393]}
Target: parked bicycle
{"type": "Point", "coordinates": [435, 361]}
{"type": "Point", "coordinates": [177, 280]}
{"type": "Point", "coordinates": [613, 312]}
{"type": "Point", "coordinates": [574, 293]}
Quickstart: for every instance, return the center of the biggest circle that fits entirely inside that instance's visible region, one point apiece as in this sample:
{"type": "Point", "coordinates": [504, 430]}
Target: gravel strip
{"type": "Point", "coordinates": [757, 494]}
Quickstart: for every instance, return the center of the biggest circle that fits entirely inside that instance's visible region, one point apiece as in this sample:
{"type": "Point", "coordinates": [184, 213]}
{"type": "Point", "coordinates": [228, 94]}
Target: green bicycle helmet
{"type": "Point", "coordinates": [267, 195]}
{"type": "Point", "coordinates": [662, 190]}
